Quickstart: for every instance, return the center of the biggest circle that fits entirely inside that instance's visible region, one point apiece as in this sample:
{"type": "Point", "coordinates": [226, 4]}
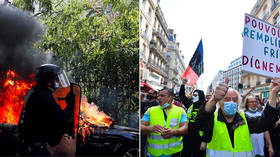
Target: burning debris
{"type": "Point", "coordinates": [91, 118]}
{"type": "Point", "coordinates": [12, 93]}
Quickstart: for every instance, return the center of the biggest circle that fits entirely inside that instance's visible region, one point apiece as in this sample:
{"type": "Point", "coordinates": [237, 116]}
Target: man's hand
{"type": "Point", "coordinates": [219, 93]}
{"type": "Point", "coordinates": [277, 123]}
{"type": "Point", "coordinates": [275, 85]}
{"type": "Point", "coordinates": [274, 89]}
{"type": "Point", "coordinates": [203, 145]}
{"type": "Point", "coordinates": [270, 151]}
{"type": "Point", "coordinates": [156, 129]}
{"type": "Point", "coordinates": [185, 80]}
{"type": "Point", "coordinates": [221, 90]}
{"type": "Point", "coordinates": [168, 133]}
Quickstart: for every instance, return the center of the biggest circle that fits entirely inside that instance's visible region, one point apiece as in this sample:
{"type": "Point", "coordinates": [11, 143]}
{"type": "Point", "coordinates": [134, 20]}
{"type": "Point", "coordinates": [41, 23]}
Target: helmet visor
{"type": "Point", "coordinates": [63, 79]}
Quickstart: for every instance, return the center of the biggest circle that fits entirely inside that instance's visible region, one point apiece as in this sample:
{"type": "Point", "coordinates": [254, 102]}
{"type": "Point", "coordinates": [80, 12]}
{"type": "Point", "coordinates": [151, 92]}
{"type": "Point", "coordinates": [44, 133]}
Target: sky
{"type": "Point", "coordinates": [219, 23]}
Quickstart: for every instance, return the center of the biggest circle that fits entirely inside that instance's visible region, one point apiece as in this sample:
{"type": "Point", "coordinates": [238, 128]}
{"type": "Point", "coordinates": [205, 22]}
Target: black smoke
{"type": "Point", "coordinates": [18, 32]}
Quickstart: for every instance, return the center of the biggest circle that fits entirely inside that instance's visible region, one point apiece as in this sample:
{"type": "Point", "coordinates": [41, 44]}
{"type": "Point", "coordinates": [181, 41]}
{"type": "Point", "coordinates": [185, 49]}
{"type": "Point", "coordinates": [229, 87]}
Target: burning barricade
{"type": "Point", "coordinates": [91, 118]}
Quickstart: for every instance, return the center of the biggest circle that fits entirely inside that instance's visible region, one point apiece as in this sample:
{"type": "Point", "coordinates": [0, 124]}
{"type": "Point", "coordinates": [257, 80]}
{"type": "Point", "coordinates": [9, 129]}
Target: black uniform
{"type": "Point", "coordinates": [192, 141]}
{"type": "Point", "coordinates": [43, 121]}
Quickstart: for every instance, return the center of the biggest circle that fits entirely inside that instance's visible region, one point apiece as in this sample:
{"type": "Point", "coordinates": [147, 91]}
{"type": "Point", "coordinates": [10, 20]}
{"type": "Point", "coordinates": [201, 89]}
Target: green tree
{"type": "Point", "coordinates": [97, 43]}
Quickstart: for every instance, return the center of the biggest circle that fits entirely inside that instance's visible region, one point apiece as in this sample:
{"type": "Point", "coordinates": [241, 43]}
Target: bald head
{"type": "Point", "coordinates": [231, 95]}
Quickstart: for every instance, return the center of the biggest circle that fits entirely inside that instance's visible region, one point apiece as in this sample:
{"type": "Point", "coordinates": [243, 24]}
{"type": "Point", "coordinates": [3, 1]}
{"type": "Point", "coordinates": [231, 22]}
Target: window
{"type": "Point", "coordinates": [144, 3]}
{"type": "Point", "coordinates": [140, 24]}
{"type": "Point", "coordinates": [144, 49]}
{"type": "Point", "coordinates": [150, 13]}
{"type": "Point", "coordinates": [146, 30]}
{"type": "Point", "coordinates": [155, 24]}
{"type": "Point", "coordinates": [276, 20]}
{"type": "Point", "coordinates": [266, 13]}
{"type": "Point", "coordinates": [168, 54]}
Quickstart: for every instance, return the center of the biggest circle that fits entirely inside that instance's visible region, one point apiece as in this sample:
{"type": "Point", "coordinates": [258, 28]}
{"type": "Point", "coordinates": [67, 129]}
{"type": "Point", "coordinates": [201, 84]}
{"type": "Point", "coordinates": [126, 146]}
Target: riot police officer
{"type": "Point", "coordinates": [42, 121]}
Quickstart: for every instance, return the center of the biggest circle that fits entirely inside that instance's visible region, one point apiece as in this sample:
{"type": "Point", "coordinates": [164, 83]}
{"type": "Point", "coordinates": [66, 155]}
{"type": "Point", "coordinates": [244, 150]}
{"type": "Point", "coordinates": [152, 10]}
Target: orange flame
{"type": "Point", "coordinates": [12, 93]}
{"type": "Point", "coordinates": [90, 115]}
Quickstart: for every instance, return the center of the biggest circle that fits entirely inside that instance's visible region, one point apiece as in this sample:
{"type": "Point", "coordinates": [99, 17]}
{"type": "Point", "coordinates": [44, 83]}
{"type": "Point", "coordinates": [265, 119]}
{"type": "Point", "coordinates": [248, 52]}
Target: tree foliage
{"type": "Point", "coordinates": [97, 43]}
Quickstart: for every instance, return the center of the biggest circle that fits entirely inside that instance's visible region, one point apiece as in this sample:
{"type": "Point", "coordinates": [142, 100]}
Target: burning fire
{"type": "Point", "coordinates": [12, 93]}
{"type": "Point", "coordinates": [90, 117]}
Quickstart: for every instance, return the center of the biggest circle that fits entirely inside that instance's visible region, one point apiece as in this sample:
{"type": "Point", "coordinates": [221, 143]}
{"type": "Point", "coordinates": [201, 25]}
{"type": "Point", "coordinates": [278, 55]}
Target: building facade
{"type": "Point", "coordinates": [153, 45]}
{"type": "Point", "coordinates": [234, 73]}
{"type": "Point", "coordinates": [176, 62]}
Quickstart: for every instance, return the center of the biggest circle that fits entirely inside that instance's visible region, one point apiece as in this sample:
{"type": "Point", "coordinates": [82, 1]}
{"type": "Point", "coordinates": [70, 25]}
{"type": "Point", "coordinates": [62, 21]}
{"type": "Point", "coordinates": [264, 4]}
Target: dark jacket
{"type": "Point", "coordinates": [193, 129]}
{"type": "Point", "coordinates": [192, 140]}
{"type": "Point", "coordinates": [145, 105]}
{"type": "Point", "coordinates": [205, 121]}
{"type": "Point", "coordinates": [275, 132]}
{"type": "Point", "coordinates": [42, 120]}
{"type": "Point", "coordinates": [187, 102]}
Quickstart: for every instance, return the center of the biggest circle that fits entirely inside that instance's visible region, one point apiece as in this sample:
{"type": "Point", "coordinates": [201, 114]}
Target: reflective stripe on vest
{"type": "Point", "coordinates": [220, 153]}
{"type": "Point", "coordinates": [220, 145]}
{"type": "Point", "coordinates": [159, 137]}
{"type": "Point", "coordinates": [161, 146]}
{"type": "Point", "coordinates": [215, 153]}
{"type": "Point", "coordinates": [245, 154]}
{"type": "Point", "coordinates": [157, 145]}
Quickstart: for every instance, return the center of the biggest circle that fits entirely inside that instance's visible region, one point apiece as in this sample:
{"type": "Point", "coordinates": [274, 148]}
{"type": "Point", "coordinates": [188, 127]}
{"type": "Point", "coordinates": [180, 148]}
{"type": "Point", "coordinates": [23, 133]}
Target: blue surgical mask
{"type": "Point", "coordinates": [164, 106]}
{"type": "Point", "coordinates": [253, 110]}
{"type": "Point", "coordinates": [230, 108]}
{"type": "Point", "coordinates": [56, 85]}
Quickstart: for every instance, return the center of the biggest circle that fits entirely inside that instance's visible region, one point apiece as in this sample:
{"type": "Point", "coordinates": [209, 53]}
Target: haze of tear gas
{"type": "Point", "coordinates": [18, 31]}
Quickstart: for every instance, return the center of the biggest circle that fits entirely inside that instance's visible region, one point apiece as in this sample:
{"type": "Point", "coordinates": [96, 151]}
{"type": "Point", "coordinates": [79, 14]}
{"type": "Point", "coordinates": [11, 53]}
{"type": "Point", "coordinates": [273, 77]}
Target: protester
{"type": "Point", "coordinates": [165, 125]}
{"type": "Point", "coordinates": [151, 101]}
{"type": "Point", "coordinates": [193, 141]}
{"type": "Point", "coordinates": [231, 129]}
{"type": "Point", "coordinates": [275, 135]}
{"type": "Point", "coordinates": [142, 97]}
{"type": "Point", "coordinates": [42, 122]}
{"type": "Point", "coordinates": [257, 139]}
{"type": "Point", "coordinates": [247, 93]}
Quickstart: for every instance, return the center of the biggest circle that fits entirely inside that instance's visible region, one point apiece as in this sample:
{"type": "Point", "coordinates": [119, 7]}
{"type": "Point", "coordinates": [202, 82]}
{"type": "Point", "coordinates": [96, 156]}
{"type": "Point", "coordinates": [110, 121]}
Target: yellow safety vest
{"type": "Point", "coordinates": [157, 145]}
{"type": "Point", "coordinates": [192, 113]}
{"type": "Point", "coordinates": [220, 145]}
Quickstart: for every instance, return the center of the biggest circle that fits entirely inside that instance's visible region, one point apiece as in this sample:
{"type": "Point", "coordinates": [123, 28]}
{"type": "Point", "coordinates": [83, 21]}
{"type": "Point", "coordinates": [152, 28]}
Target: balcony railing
{"type": "Point", "coordinates": [161, 70]}
{"type": "Point", "coordinates": [157, 50]}
{"type": "Point", "coordinates": [161, 38]}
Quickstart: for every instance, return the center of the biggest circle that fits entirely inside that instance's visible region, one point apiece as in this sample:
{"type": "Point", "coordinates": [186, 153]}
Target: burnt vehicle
{"type": "Point", "coordinates": [113, 141]}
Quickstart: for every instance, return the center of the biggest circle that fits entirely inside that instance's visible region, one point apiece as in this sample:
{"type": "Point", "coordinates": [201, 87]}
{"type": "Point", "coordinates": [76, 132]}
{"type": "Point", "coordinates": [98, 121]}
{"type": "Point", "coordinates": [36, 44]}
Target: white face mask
{"type": "Point", "coordinates": [195, 98]}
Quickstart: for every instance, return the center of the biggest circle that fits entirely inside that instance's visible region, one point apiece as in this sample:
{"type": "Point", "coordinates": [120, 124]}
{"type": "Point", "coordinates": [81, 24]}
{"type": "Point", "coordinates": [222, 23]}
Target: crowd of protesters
{"type": "Point", "coordinates": [224, 123]}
